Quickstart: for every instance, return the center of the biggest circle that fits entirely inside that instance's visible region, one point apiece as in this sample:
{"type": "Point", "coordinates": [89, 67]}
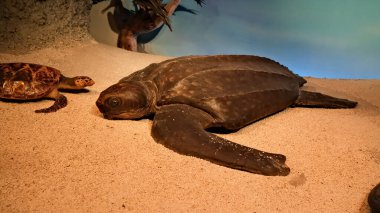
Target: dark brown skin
{"type": "Point", "coordinates": [25, 81]}
{"type": "Point", "coordinates": [189, 95]}
{"type": "Point", "coordinates": [374, 199]}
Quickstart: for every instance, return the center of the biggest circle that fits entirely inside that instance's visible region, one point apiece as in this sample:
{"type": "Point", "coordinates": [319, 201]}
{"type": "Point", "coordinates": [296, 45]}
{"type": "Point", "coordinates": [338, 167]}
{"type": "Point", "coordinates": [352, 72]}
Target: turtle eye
{"type": "Point", "coordinates": [114, 102]}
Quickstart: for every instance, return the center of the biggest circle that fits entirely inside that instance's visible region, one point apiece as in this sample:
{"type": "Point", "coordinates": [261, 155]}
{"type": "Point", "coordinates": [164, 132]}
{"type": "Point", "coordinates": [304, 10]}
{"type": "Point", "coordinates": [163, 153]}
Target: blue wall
{"type": "Point", "coordinates": [324, 38]}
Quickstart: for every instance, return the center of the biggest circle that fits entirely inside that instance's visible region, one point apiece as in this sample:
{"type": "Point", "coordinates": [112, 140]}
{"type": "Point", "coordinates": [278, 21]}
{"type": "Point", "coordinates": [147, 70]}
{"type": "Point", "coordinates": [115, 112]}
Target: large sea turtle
{"type": "Point", "coordinates": [191, 94]}
{"type": "Point", "coordinates": [374, 199]}
{"type": "Point", "coordinates": [25, 81]}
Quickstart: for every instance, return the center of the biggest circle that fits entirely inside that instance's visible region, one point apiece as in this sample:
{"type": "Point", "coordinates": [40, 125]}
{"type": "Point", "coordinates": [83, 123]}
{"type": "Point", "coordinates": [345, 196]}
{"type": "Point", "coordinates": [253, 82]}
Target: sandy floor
{"type": "Point", "coordinates": [76, 161]}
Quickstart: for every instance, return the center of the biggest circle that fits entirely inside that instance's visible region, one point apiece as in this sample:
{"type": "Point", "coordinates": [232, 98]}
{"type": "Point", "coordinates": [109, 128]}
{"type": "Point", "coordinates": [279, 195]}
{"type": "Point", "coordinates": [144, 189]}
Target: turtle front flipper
{"type": "Point", "coordinates": [315, 99]}
{"type": "Point", "coordinates": [60, 102]}
{"type": "Point", "coordinates": [182, 129]}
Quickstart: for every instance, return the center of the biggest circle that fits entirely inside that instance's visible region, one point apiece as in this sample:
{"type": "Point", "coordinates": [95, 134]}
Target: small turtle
{"type": "Point", "coordinates": [191, 94]}
{"type": "Point", "coordinates": [24, 81]}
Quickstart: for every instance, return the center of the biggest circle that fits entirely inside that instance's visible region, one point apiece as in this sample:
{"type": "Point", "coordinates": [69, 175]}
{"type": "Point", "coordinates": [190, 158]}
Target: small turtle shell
{"type": "Point", "coordinates": [24, 81]}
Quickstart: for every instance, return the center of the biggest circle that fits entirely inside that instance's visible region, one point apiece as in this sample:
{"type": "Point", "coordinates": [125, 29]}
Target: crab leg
{"type": "Point", "coordinates": [164, 18]}
{"type": "Point", "coordinates": [182, 129]}
{"type": "Point", "coordinates": [144, 23]}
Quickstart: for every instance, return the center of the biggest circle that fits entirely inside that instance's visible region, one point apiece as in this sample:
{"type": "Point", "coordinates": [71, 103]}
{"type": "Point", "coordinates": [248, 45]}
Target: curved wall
{"type": "Point", "coordinates": [326, 38]}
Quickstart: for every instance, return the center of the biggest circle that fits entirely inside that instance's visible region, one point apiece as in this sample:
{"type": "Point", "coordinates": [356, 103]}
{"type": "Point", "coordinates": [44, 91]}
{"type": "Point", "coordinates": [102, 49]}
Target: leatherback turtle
{"type": "Point", "coordinates": [374, 199]}
{"type": "Point", "coordinates": [25, 81]}
{"type": "Point", "coordinates": [188, 95]}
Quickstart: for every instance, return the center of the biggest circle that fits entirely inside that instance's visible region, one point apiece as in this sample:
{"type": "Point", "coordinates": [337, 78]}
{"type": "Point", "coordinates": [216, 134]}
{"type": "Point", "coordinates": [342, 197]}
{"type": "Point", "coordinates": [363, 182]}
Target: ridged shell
{"type": "Point", "coordinates": [235, 89]}
{"type": "Point", "coordinates": [24, 81]}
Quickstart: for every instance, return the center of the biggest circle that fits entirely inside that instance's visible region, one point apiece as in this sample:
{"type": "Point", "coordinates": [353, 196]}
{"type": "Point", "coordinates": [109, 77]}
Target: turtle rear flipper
{"type": "Point", "coordinates": [319, 100]}
{"type": "Point", "coordinates": [60, 102]}
{"type": "Point", "coordinates": [182, 128]}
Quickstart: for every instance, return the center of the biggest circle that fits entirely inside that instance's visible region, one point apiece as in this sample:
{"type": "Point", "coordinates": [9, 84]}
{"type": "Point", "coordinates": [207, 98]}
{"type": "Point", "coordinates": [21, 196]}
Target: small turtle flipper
{"type": "Point", "coordinates": [182, 129]}
{"type": "Point", "coordinates": [60, 102]}
{"type": "Point", "coordinates": [319, 100]}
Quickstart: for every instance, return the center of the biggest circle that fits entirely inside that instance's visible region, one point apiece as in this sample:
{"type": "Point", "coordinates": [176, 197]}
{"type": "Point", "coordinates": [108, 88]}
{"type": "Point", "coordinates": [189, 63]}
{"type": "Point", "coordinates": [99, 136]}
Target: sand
{"type": "Point", "coordinates": [74, 160]}
{"type": "Point", "coordinates": [30, 25]}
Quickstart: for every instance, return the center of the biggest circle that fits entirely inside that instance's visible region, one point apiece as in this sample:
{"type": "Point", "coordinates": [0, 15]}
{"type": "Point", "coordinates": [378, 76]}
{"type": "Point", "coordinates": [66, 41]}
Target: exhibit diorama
{"type": "Point", "coordinates": [189, 106]}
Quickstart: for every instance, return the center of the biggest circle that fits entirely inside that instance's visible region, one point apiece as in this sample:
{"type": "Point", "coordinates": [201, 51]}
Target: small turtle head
{"type": "Point", "coordinates": [83, 81]}
{"type": "Point", "coordinates": [126, 100]}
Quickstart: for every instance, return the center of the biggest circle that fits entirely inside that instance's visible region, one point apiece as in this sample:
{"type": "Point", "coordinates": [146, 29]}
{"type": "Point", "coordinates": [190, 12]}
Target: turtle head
{"type": "Point", "coordinates": [75, 83]}
{"type": "Point", "coordinates": [126, 100]}
{"type": "Point", "coordinates": [83, 81]}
